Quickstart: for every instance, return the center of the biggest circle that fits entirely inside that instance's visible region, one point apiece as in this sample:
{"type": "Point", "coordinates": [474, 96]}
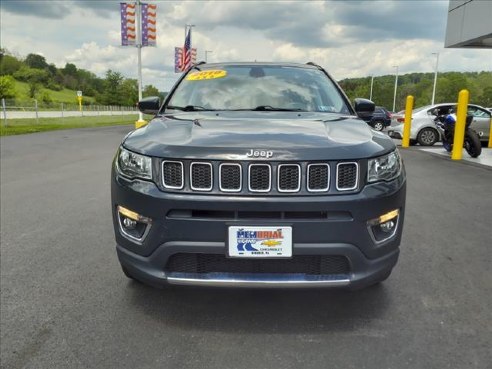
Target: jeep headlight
{"type": "Point", "coordinates": [134, 165]}
{"type": "Point", "coordinates": [384, 168]}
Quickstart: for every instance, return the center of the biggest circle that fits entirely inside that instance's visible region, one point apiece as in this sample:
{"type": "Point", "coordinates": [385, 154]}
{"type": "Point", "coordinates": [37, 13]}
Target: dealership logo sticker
{"type": "Point", "coordinates": [261, 242]}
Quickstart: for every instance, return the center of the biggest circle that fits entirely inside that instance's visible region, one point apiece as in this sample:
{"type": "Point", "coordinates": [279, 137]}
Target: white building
{"type": "Point", "coordinates": [469, 24]}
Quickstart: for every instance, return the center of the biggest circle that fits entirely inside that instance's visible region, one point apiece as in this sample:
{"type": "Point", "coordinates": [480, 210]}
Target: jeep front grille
{"type": "Point", "coordinates": [318, 177]}
{"type": "Point", "coordinates": [289, 178]}
{"type": "Point", "coordinates": [201, 176]}
{"type": "Point", "coordinates": [256, 178]}
{"type": "Point", "coordinates": [347, 176]}
{"type": "Point", "coordinates": [260, 177]}
{"type": "Point", "coordinates": [172, 174]}
{"type": "Point", "coordinates": [230, 177]}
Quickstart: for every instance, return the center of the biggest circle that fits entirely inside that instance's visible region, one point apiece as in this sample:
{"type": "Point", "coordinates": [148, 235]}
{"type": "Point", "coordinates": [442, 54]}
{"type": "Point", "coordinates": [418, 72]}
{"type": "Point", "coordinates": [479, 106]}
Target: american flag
{"type": "Point", "coordinates": [128, 34]}
{"type": "Point", "coordinates": [178, 59]}
{"type": "Point", "coordinates": [186, 56]}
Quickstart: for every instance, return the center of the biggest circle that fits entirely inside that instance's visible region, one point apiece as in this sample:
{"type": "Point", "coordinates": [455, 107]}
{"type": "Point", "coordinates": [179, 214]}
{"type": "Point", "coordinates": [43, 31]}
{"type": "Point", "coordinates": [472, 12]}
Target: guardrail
{"type": "Point", "coordinates": [12, 109]}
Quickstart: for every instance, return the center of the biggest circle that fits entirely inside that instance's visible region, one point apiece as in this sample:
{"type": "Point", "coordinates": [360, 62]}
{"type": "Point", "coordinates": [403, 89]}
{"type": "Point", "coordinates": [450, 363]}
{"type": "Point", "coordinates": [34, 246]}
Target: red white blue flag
{"type": "Point", "coordinates": [149, 20]}
{"type": "Point", "coordinates": [128, 33]}
{"type": "Point", "coordinates": [179, 67]}
{"type": "Point", "coordinates": [184, 57]}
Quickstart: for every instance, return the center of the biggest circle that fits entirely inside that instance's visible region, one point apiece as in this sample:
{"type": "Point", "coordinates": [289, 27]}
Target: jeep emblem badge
{"type": "Point", "coordinates": [259, 154]}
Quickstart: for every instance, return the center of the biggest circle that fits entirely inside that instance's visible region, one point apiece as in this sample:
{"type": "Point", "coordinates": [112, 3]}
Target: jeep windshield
{"type": "Point", "coordinates": [257, 88]}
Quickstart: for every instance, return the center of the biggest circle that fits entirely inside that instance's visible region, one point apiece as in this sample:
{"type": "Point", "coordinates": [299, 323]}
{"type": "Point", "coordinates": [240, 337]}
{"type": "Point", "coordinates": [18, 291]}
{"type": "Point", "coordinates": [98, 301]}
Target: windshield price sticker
{"type": "Point", "coordinates": [206, 74]}
{"type": "Point", "coordinates": [260, 242]}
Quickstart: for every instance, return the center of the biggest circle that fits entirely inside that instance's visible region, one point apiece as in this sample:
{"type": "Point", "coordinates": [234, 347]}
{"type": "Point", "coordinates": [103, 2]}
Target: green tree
{"type": "Point", "coordinates": [70, 69]}
{"type": "Point", "coordinates": [7, 87]}
{"type": "Point", "coordinates": [150, 90]}
{"type": "Point", "coordinates": [128, 92]}
{"type": "Point", "coordinates": [36, 61]}
{"type": "Point", "coordinates": [9, 64]}
{"type": "Point", "coordinates": [111, 94]}
{"type": "Point", "coordinates": [45, 97]}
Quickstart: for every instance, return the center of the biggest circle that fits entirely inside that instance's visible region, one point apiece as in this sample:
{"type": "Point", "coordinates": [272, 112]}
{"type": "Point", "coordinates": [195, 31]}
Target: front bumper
{"type": "Point", "coordinates": [345, 235]}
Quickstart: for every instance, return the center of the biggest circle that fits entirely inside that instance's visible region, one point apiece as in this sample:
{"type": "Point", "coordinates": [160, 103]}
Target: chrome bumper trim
{"type": "Point", "coordinates": [257, 280]}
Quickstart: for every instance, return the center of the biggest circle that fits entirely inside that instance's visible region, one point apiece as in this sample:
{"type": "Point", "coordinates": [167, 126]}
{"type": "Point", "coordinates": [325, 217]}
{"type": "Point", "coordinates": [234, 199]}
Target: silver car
{"type": "Point", "coordinates": [424, 132]}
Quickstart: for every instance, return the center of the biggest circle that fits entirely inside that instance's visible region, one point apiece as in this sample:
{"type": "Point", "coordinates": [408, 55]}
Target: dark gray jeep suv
{"type": "Point", "coordinates": [257, 175]}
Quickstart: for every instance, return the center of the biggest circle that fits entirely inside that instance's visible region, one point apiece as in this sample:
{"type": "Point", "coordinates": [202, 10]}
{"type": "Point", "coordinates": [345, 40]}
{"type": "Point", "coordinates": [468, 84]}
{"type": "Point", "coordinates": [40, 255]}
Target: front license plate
{"type": "Point", "coordinates": [260, 242]}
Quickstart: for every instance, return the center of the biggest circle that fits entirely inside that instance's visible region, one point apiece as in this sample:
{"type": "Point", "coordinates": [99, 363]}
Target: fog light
{"type": "Point", "coordinates": [133, 225]}
{"type": "Point", "coordinates": [384, 227]}
{"type": "Point", "coordinates": [129, 223]}
{"type": "Point", "coordinates": [388, 226]}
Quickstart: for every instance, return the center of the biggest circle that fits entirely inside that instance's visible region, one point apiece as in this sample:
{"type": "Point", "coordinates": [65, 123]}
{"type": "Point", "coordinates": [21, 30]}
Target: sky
{"type": "Point", "coordinates": [348, 38]}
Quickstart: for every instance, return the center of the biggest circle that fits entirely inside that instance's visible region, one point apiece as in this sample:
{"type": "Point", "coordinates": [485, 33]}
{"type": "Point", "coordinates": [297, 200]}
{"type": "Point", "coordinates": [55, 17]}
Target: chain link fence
{"type": "Point", "coordinates": [34, 109]}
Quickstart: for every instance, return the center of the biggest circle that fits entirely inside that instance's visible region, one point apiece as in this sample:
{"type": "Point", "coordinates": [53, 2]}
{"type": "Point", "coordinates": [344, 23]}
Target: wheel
{"type": "Point", "coordinates": [378, 126]}
{"type": "Point", "coordinates": [427, 137]}
{"type": "Point", "coordinates": [472, 143]}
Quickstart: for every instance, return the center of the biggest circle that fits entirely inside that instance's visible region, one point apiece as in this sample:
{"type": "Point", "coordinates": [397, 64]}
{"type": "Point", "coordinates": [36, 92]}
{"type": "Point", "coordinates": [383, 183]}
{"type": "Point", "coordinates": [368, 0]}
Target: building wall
{"type": "Point", "coordinates": [469, 24]}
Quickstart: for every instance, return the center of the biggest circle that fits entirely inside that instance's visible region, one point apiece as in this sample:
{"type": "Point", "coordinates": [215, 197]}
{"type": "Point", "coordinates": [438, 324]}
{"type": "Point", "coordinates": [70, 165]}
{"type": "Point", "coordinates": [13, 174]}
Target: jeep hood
{"type": "Point", "coordinates": [230, 135]}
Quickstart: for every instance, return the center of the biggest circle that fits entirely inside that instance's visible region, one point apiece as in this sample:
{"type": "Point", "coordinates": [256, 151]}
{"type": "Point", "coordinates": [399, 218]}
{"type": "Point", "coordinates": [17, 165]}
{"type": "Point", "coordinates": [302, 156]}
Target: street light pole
{"type": "Point", "coordinates": [396, 86]}
{"type": "Point", "coordinates": [206, 53]}
{"type": "Point", "coordinates": [435, 78]}
{"type": "Point", "coordinates": [190, 26]}
{"type": "Point", "coordinates": [140, 121]}
{"type": "Point", "coordinates": [372, 83]}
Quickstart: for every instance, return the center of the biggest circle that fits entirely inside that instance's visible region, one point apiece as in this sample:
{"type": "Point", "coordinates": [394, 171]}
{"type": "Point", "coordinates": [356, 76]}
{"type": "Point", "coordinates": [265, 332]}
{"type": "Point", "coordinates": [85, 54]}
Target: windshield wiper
{"type": "Point", "coordinates": [189, 108]}
{"type": "Point", "coordinates": [269, 108]}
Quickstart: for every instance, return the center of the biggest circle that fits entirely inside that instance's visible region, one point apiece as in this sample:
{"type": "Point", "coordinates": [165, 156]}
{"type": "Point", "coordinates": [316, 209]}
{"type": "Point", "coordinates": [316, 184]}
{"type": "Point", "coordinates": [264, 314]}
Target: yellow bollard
{"type": "Point", "coordinates": [408, 122]}
{"type": "Point", "coordinates": [140, 123]}
{"type": "Point", "coordinates": [459, 128]}
{"type": "Point", "coordinates": [490, 134]}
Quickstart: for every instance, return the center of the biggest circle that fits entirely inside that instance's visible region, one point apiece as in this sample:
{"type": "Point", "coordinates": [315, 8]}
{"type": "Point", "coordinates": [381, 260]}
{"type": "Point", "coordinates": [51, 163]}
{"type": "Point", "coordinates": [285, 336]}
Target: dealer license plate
{"type": "Point", "coordinates": [260, 242]}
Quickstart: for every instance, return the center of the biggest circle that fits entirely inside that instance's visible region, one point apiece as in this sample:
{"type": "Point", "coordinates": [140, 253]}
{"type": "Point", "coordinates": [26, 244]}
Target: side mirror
{"type": "Point", "coordinates": [149, 105]}
{"type": "Point", "coordinates": [364, 108]}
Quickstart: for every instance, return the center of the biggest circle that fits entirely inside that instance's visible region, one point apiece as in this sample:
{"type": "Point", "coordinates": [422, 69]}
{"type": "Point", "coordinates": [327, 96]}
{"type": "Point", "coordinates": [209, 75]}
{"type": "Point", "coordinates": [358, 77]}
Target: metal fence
{"type": "Point", "coordinates": [34, 109]}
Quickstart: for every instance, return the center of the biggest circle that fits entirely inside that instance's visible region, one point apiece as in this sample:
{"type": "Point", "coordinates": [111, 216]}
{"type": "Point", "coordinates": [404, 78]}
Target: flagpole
{"type": "Point", "coordinates": [140, 122]}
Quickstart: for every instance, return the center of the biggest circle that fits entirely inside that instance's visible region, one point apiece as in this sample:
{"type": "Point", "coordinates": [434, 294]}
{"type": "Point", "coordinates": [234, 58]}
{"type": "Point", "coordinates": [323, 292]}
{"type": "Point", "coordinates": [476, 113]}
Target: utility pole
{"type": "Point", "coordinates": [396, 86]}
{"type": "Point", "coordinates": [435, 78]}
{"type": "Point", "coordinates": [140, 121]}
{"type": "Point", "coordinates": [372, 83]}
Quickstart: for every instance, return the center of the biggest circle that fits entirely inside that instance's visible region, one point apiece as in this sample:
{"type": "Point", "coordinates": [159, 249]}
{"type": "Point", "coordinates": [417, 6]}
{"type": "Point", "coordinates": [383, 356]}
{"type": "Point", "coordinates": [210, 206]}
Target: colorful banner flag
{"type": "Point", "coordinates": [128, 33]}
{"type": "Point", "coordinates": [149, 20]}
{"type": "Point", "coordinates": [179, 67]}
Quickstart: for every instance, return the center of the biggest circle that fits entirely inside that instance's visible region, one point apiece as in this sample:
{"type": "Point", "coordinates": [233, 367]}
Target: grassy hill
{"type": "Point", "coordinates": [63, 96]}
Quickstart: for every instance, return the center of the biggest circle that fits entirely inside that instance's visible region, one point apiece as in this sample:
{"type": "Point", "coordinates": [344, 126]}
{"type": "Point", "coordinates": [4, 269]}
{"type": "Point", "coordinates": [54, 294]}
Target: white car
{"type": "Point", "coordinates": [423, 129]}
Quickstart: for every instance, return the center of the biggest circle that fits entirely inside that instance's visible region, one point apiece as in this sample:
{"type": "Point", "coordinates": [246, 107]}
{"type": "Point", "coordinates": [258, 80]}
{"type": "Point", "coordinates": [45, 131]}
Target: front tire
{"type": "Point", "coordinates": [472, 143]}
{"type": "Point", "coordinates": [378, 126]}
{"type": "Point", "coordinates": [428, 137]}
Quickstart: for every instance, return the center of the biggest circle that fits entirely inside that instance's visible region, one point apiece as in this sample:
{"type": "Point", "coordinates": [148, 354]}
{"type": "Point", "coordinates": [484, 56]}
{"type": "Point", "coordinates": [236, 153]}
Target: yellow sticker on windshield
{"type": "Point", "coordinates": [206, 74]}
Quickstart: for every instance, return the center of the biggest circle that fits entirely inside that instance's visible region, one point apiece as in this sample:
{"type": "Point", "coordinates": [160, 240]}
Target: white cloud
{"type": "Point", "coordinates": [349, 39]}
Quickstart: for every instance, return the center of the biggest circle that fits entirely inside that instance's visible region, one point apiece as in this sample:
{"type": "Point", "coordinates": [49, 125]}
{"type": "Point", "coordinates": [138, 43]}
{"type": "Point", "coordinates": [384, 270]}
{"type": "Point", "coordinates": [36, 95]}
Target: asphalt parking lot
{"type": "Point", "coordinates": [66, 304]}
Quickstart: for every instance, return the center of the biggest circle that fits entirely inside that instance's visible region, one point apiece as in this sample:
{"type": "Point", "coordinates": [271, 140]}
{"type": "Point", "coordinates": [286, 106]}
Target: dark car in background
{"type": "Point", "coordinates": [257, 175]}
{"type": "Point", "coordinates": [380, 119]}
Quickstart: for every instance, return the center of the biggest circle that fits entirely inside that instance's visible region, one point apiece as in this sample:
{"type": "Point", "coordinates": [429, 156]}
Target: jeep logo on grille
{"type": "Point", "coordinates": [259, 154]}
